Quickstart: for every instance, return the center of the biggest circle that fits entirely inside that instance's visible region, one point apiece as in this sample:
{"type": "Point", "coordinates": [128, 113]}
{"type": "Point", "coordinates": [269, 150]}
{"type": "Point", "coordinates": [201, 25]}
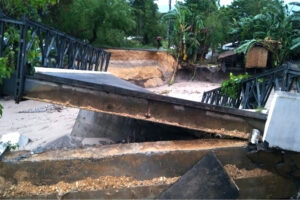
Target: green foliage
{"type": "Point", "coordinates": [103, 23]}
{"type": "Point", "coordinates": [6, 68]}
{"type": "Point", "coordinates": [147, 18]}
{"type": "Point", "coordinates": [198, 25]}
{"type": "Point", "coordinates": [232, 86]}
{"type": "Point", "coordinates": [34, 9]}
{"type": "Point", "coordinates": [273, 27]}
{"type": "Point", "coordinates": [181, 28]}
{"type": "Point", "coordinates": [295, 43]}
{"type": "Point", "coordinates": [34, 54]}
{"type": "Point", "coordinates": [259, 23]}
{"type": "Point", "coordinates": [11, 146]}
{"type": "Point", "coordinates": [246, 46]}
{"type": "Point", "coordinates": [1, 108]}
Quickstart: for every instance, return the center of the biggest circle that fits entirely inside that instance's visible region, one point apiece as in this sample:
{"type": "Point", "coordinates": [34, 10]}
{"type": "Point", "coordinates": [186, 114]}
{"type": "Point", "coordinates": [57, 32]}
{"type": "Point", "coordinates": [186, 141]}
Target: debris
{"type": "Point", "coordinates": [254, 138]}
{"type": "Point", "coordinates": [48, 108]}
{"type": "Point", "coordinates": [64, 142]}
{"type": "Point", "coordinates": [25, 188]}
{"type": "Point", "coordinates": [37, 150]}
{"type": "Point", "coordinates": [15, 139]}
{"type": "Point", "coordinates": [237, 173]}
{"type": "Point", "coordinates": [207, 179]}
{"type": "Point", "coordinates": [96, 141]}
{"type": "Point", "coordinates": [3, 147]}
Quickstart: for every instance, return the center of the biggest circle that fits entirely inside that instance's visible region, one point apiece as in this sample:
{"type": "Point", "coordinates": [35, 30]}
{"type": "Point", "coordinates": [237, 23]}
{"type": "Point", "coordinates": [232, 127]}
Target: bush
{"type": "Point", "coordinates": [5, 70]}
{"type": "Point", "coordinates": [232, 86]}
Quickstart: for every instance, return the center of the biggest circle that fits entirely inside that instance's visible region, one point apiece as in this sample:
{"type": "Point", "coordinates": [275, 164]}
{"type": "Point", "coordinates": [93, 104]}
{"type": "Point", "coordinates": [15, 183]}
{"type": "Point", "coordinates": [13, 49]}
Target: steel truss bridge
{"type": "Point", "coordinates": [67, 51]}
{"type": "Point", "coordinates": [255, 91]}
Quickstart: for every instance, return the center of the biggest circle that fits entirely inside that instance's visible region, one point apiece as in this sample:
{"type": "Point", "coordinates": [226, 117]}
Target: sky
{"type": "Point", "coordinates": [163, 5]}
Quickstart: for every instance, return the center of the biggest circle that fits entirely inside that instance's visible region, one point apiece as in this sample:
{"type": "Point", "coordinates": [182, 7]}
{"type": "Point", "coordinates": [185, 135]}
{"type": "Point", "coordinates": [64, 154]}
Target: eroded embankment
{"type": "Point", "coordinates": [145, 68]}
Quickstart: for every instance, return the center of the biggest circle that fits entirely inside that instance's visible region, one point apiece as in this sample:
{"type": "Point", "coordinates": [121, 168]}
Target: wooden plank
{"type": "Point", "coordinates": [257, 57]}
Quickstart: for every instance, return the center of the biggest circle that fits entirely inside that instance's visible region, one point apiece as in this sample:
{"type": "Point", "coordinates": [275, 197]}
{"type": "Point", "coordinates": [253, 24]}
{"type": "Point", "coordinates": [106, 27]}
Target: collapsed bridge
{"type": "Point", "coordinates": [73, 73]}
{"type": "Point", "coordinates": [80, 80]}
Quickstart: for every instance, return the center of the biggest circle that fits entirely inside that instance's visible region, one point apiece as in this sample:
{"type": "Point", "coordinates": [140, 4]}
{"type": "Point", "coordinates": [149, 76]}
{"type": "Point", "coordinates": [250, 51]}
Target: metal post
{"type": "Point", "coordinates": [169, 25]}
{"type": "Point", "coordinates": [20, 72]}
{"type": "Point", "coordinates": [1, 38]}
{"type": "Point", "coordinates": [1, 34]}
{"type": "Point", "coordinates": [107, 61]}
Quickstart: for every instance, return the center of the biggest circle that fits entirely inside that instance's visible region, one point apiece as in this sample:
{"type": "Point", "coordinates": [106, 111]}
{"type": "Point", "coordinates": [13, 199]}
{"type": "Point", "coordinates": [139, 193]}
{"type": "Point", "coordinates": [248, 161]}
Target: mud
{"type": "Point", "coordinates": [25, 188]}
{"type": "Point", "coordinates": [237, 173]}
{"type": "Point", "coordinates": [125, 149]}
{"type": "Point", "coordinates": [137, 169]}
{"type": "Point", "coordinates": [139, 66]}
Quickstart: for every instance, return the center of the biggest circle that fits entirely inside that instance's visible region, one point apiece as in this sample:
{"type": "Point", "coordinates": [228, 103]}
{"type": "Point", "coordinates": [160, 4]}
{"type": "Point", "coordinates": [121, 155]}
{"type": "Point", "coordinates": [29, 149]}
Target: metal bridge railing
{"type": "Point", "coordinates": [255, 91]}
{"type": "Point", "coordinates": [66, 51]}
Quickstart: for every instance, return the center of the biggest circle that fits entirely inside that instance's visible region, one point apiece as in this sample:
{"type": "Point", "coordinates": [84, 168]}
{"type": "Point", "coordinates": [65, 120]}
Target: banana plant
{"type": "Point", "coordinates": [275, 29]}
{"type": "Point", "coordinates": [181, 27]}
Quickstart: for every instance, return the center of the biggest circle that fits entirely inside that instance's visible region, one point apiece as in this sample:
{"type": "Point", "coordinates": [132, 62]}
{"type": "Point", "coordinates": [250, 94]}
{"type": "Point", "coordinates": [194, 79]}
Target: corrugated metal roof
{"type": "Point", "coordinates": [226, 54]}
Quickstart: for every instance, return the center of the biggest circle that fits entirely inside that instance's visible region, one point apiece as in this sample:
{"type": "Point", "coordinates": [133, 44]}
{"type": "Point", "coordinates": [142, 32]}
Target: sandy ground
{"type": "Point", "coordinates": [41, 122]}
{"type": "Point", "coordinates": [44, 123]}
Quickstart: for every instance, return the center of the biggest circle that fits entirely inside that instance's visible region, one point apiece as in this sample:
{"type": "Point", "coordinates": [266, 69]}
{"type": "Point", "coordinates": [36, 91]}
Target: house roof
{"type": "Point", "coordinates": [226, 54]}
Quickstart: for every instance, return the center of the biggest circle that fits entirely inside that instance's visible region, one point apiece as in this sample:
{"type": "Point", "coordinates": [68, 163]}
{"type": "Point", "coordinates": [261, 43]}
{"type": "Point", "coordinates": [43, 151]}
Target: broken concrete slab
{"type": "Point", "coordinates": [3, 147]}
{"type": "Point", "coordinates": [64, 142]}
{"type": "Point", "coordinates": [142, 161]}
{"type": "Point", "coordinates": [282, 127]}
{"type": "Point", "coordinates": [115, 97]}
{"type": "Point", "coordinates": [206, 180]}
{"type": "Point", "coordinates": [139, 160]}
{"type": "Point", "coordinates": [15, 138]}
{"type": "Point", "coordinates": [117, 129]}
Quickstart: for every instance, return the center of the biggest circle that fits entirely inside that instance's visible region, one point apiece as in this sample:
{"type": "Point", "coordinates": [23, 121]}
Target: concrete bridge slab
{"type": "Point", "coordinates": [102, 92]}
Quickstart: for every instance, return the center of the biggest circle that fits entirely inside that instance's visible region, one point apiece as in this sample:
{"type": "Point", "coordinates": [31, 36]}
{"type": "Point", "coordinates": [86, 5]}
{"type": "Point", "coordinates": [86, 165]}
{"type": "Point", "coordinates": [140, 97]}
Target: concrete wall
{"type": "Point", "coordinates": [91, 124]}
{"type": "Point", "coordinates": [283, 125]}
{"type": "Point", "coordinates": [142, 161]}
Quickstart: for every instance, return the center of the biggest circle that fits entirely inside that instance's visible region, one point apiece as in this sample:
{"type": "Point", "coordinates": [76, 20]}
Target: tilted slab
{"type": "Point", "coordinates": [206, 180]}
{"type": "Point", "coordinates": [103, 92]}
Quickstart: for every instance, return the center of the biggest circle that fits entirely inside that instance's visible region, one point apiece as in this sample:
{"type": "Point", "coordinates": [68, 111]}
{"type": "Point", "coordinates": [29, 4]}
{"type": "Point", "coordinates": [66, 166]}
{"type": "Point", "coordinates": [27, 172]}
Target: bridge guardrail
{"type": "Point", "coordinates": [255, 90]}
{"type": "Point", "coordinates": [67, 51]}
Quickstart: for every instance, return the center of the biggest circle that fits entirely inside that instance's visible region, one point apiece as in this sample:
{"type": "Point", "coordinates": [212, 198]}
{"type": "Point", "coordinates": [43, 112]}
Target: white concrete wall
{"type": "Point", "coordinates": [283, 124]}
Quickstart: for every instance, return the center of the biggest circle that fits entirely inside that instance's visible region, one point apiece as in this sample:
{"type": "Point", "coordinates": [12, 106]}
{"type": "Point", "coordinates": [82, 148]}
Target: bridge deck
{"type": "Point", "coordinates": [102, 92]}
{"type": "Point", "coordinates": [86, 78]}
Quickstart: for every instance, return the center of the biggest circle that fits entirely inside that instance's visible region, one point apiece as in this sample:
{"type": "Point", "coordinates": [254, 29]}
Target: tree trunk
{"type": "Point", "coordinates": [94, 36]}
{"type": "Point", "coordinates": [174, 74]}
{"type": "Point", "coordinates": [212, 54]}
{"type": "Point", "coordinates": [195, 53]}
{"type": "Point", "coordinates": [169, 24]}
